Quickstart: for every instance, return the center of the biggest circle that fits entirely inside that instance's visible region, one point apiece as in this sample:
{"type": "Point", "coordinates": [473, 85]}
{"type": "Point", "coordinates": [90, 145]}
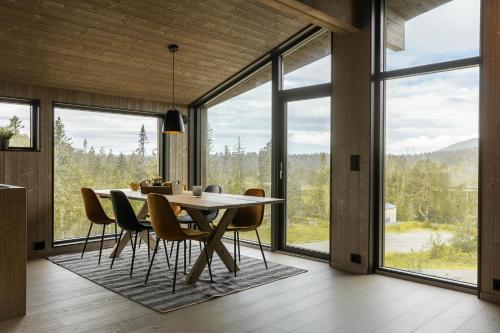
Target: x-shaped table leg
{"type": "Point", "coordinates": [214, 243]}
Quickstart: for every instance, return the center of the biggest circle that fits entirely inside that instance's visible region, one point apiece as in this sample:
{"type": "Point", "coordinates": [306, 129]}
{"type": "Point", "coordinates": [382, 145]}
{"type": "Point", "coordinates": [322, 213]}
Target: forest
{"type": "Point", "coordinates": [436, 191]}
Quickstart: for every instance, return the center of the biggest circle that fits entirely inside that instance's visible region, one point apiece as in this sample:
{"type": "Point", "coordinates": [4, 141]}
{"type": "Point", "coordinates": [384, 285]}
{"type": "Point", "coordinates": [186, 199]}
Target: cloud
{"type": "Point", "coordinates": [117, 132]}
{"type": "Point", "coordinates": [448, 32]}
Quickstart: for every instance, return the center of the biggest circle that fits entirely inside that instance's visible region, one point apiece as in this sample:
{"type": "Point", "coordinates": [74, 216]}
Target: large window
{"type": "Point", "coordinates": [269, 127]}
{"type": "Point", "coordinates": [100, 150]}
{"type": "Point", "coordinates": [21, 118]}
{"type": "Point", "coordinates": [430, 207]}
{"type": "Point", "coordinates": [238, 142]}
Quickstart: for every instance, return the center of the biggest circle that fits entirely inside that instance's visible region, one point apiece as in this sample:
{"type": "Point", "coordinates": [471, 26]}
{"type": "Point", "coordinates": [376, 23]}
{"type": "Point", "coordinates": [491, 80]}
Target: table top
{"type": "Point", "coordinates": [209, 201]}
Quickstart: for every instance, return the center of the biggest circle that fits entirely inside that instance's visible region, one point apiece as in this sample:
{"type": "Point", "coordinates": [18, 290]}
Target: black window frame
{"type": "Point", "coordinates": [278, 189]}
{"type": "Point", "coordinates": [163, 158]}
{"type": "Point", "coordinates": [379, 77]}
{"type": "Point", "coordinates": [34, 124]}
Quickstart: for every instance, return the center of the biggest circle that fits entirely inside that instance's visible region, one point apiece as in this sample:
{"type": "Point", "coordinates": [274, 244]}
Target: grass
{"type": "Point", "coordinates": [296, 233]}
{"type": "Point", "coordinates": [403, 227]}
{"type": "Point", "coordinates": [450, 259]}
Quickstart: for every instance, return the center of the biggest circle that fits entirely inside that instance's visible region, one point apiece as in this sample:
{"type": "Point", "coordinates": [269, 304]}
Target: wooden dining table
{"type": "Point", "coordinates": [194, 207]}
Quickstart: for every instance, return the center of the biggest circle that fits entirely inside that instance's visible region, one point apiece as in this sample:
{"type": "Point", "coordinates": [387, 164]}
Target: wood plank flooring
{"type": "Point", "coordinates": [322, 300]}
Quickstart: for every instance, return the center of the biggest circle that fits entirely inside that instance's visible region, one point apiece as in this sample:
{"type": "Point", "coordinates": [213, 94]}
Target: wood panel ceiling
{"type": "Point", "coordinates": [119, 47]}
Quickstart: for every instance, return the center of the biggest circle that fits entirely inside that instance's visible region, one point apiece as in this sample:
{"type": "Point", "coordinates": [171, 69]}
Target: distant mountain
{"type": "Point", "coordinates": [467, 144]}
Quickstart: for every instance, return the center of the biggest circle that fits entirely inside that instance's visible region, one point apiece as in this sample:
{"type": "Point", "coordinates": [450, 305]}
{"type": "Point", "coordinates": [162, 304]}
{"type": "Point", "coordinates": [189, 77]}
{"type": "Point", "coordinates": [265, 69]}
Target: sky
{"type": "Point", "coordinates": [7, 110]}
{"type": "Point", "coordinates": [109, 131]}
{"type": "Point", "coordinates": [423, 113]}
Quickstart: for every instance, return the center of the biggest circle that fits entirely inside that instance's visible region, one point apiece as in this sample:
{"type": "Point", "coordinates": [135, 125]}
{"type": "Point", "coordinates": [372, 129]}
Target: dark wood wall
{"type": "Point", "coordinates": [351, 135]}
{"type": "Point", "coordinates": [34, 169]}
{"type": "Point", "coordinates": [490, 151]}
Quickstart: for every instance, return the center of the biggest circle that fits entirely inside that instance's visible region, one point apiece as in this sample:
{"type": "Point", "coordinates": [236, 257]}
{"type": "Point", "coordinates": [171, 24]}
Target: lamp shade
{"type": "Point", "coordinates": [172, 123]}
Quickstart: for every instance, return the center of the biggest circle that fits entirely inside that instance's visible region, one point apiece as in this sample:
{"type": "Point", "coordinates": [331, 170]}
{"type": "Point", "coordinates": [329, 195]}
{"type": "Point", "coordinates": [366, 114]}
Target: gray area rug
{"type": "Point", "coordinates": [157, 293]}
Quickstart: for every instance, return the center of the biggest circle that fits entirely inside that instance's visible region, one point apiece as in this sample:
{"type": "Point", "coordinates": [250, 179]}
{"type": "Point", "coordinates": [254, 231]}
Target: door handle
{"type": "Point", "coordinates": [281, 170]}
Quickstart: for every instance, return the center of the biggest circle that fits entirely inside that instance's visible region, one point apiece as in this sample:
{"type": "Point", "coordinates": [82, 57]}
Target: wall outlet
{"type": "Point", "coordinates": [355, 163]}
{"type": "Point", "coordinates": [37, 246]}
{"type": "Point", "coordinates": [496, 284]}
{"type": "Point", "coordinates": [355, 258]}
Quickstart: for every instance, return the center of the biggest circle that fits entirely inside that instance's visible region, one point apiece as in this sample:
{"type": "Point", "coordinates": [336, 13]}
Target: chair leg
{"type": "Point", "coordinates": [152, 259]}
{"type": "Point", "coordinates": [133, 254]}
{"type": "Point", "coordinates": [117, 246]}
{"type": "Point", "coordinates": [261, 250]}
{"type": "Point", "coordinates": [166, 253]}
{"type": "Point", "coordinates": [87, 239]}
{"type": "Point", "coordinates": [116, 233]}
{"type": "Point", "coordinates": [140, 242]}
{"type": "Point", "coordinates": [171, 249]}
{"type": "Point", "coordinates": [175, 269]}
{"type": "Point", "coordinates": [208, 260]}
{"type": "Point", "coordinates": [235, 254]}
{"type": "Point", "coordinates": [239, 250]}
{"type": "Point", "coordinates": [185, 270]}
{"type": "Point", "coordinates": [190, 252]}
{"type": "Point", "coordinates": [149, 248]}
{"type": "Point", "coordinates": [102, 241]}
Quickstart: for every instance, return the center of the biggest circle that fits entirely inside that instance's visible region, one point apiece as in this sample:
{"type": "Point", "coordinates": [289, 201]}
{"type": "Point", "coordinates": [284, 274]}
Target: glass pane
{"type": "Point", "coordinates": [431, 174]}
{"type": "Point", "coordinates": [420, 33]}
{"type": "Point", "coordinates": [309, 64]}
{"type": "Point", "coordinates": [308, 175]}
{"type": "Point", "coordinates": [237, 149]}
{"type": "Point", "coordinates": [101, 151]}
{"type": "Point", "coordinates": [17, 118]}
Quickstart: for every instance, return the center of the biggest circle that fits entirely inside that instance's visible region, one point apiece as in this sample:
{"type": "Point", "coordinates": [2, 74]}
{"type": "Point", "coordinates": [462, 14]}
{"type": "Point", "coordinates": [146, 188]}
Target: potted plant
{"type": "Point", "coordinates": [5, 135]}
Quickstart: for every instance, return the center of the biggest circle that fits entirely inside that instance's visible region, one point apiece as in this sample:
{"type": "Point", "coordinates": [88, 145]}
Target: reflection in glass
{"type": "Point", "coordinates": [17, 118]}
{"type": "Point", "coordinates": [97, 150]}
{"type": "Point", "coordinates": [237, 143]}
{"type": "Point", "coordinates": [308, 64]}
{"type": "Point", "coordinates": [308, 174]}
{"type": "Point", "coordinates": [420, 33]}
{"type": "Point", "coordinates": [431, 174]}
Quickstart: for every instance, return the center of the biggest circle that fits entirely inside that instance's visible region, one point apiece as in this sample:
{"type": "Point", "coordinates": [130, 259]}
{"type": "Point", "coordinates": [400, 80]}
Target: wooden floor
{"type": "Point", "coordinates": [322, 300]}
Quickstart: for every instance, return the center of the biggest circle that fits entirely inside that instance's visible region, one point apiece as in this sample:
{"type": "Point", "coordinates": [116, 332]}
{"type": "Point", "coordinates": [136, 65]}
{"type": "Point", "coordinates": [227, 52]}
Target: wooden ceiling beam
{"type": "Point", "coordinates": [339, 16]}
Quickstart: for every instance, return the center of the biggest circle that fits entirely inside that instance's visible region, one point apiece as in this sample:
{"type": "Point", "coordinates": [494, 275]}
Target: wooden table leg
{"type": "Point", "coordinates": [214, 243]}
{"type": "Point", "coordinates": [143, 212]}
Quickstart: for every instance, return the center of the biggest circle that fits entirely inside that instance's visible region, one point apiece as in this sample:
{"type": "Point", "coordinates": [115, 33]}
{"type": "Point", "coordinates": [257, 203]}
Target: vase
{"type": "Point", "coordinates": [4, 144]}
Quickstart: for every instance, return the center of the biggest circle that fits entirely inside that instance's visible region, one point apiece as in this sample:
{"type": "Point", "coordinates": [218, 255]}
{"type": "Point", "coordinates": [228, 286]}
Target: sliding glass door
{"type": "Point", "coordinates": [308, 174]}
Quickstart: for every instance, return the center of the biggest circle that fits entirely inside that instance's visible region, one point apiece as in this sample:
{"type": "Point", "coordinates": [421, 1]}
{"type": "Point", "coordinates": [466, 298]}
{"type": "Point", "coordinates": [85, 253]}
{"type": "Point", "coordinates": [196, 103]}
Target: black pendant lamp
{"type": "Point", "coordinates": [172, 122]}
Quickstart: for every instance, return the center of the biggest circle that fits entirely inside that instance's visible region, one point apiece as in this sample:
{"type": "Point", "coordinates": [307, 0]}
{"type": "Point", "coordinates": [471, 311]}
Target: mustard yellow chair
{"type": "Point", "coordinates": [96, 215]}
{"type": "Point", "coordinates": [165, 225]}
{"type": "Point", "coordinates": [248, 219]}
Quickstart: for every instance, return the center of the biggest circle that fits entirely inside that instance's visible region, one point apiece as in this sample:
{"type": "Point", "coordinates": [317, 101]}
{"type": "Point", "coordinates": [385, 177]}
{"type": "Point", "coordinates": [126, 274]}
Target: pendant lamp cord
{"type": "Point", "coordinates": [173, 80]}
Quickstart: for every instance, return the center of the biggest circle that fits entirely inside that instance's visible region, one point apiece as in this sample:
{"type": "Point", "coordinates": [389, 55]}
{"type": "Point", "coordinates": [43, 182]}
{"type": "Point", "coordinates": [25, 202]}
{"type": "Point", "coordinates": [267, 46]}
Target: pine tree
{"type": "Point", "coordinates": [143, 140]}
{"type": "Point", "coordinates": [60, 136]}
{"type": "Point", "coordinates": [85, 145]}
{"type": "Point", "coordinates": [15, 125]}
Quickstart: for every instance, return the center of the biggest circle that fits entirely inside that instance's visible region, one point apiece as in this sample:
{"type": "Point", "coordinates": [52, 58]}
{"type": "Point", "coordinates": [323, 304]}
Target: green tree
{"type": "Point", "coordinates": [141, 143]}
{"type": "Point", "coordinates": [15, 125]}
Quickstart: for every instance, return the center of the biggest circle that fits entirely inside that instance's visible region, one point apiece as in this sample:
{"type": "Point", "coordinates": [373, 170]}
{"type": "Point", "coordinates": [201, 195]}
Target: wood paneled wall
{"type": "Point", "coordinates": [490, 151]}
{"type": "Point", "coordinates": [33, 170]}
{"type": "Point", "coordinates": [351, 135]}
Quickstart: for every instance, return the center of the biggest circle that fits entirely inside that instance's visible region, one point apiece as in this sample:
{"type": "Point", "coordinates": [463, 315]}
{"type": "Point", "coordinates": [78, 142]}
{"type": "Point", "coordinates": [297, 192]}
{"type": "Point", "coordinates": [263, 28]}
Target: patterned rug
{"type": "Point", "coordinates": [157, 293]}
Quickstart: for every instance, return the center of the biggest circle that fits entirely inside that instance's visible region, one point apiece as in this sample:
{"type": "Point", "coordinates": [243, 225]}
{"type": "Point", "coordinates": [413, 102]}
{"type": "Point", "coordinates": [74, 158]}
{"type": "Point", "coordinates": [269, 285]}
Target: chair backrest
{"type": "Point", "coordinates": [163, 218]}
{"type": "Point", "coordinates": [213, 189]}
{"type": "Point", "coordinates": [250, 216]}
{"type": "Point", "coordinates": [124, 213]}
{"type": "Point", "coordinates": [93, 208]}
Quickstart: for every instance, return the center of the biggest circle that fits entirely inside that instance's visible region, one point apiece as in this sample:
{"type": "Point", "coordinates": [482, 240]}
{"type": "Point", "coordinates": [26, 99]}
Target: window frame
{"type": "Point", "coordinates": [34, 124]}
{"type": "Point", "coordinates": [163, 158]}
{"type": "Point", "coordinates": [275, 57]}
{"type": "Point", "coordinates": [379, 77]}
